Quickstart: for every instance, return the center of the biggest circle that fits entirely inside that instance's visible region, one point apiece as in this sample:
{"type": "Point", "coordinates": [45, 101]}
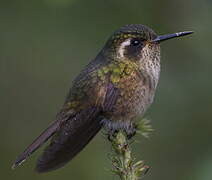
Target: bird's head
{"type": "Point", "coordinates": [138, 43]}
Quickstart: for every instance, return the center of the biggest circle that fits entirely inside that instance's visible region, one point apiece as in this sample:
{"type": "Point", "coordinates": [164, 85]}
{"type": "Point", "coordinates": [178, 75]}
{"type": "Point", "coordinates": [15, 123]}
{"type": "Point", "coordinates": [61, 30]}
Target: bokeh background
{"type": "Point", "coordinates": [45, 43]}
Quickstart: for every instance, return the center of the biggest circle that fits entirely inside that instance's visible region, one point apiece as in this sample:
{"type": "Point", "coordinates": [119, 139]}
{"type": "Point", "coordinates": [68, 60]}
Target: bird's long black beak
{"type": "Point", "coordinates": [170, 36]}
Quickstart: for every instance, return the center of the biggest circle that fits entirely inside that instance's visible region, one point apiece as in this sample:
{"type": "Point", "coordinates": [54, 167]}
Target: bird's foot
{"type": "Point", "coordinates": [111, 134]}
{"type": "Point", "coordinates": [131, 133]}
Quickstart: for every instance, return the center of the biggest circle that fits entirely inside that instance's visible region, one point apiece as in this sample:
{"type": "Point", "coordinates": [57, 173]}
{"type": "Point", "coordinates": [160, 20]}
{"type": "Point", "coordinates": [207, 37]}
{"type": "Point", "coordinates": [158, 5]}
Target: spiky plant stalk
{"type": "Point", "coordinates": [123, 162]}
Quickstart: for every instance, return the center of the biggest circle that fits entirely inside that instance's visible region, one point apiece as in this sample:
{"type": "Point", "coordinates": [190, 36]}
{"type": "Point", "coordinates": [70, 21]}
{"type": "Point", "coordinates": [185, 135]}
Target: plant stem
{"type": "Point", "coordinates": [123, 162]}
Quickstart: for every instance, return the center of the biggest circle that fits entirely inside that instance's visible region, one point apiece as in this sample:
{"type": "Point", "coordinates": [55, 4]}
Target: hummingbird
{"type": "Point", "coordinates": [115, 88]}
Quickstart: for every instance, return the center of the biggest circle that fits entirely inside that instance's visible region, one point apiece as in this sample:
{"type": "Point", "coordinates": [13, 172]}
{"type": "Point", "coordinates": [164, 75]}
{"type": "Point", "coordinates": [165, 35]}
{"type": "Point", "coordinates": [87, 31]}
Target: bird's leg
{"type": "Point", "coordinates": [130, 133]}
{"type": "Point", "coordinates": [111, 134]}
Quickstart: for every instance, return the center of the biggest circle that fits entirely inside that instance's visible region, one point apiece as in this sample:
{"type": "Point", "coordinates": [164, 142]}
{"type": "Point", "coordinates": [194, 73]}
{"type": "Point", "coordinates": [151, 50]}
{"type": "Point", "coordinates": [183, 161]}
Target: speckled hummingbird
{"type": "Point", "coordinates": [111, 91]}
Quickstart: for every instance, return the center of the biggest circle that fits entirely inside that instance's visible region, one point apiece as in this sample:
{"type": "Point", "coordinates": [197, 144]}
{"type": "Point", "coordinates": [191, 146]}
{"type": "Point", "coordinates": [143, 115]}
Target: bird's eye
{"type": "Point", "coordinates": [135, 42]}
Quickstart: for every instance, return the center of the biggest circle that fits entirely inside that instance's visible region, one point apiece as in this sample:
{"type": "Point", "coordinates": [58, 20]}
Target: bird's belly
{"type": "Point", "coordinates": [132, 105]}
{"type": "Point", "coordinates": [133, 101]}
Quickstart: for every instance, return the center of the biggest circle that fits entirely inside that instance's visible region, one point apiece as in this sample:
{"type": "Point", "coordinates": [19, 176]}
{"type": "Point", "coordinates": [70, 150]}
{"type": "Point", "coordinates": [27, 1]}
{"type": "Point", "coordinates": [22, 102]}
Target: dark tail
{"type": "Point", "coordinates": [71, 139]}
{"type": "Point", "coordinates": [36, 143]}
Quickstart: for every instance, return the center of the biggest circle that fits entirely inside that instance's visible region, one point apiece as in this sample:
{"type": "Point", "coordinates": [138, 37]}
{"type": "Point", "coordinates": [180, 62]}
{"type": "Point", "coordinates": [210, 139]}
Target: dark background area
{"type": "Point", "coordinates": [45, 44]}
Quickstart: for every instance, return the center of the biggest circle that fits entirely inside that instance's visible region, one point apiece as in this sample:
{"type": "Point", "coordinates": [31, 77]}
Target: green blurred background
{"type": "Point", "coordinates": [43, 46]}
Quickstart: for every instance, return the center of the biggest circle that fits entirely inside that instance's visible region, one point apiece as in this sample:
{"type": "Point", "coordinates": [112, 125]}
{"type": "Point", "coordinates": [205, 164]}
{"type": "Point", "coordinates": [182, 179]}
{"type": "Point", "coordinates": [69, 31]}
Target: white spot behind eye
{"type": "Point", "coordinates": [122, 47]}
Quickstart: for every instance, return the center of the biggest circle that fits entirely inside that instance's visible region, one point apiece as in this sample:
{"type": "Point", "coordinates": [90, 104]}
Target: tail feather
{"type": "Point", "coordinates": [69, 141]}
{"type": "Point", "coordinates": [36, 143]}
